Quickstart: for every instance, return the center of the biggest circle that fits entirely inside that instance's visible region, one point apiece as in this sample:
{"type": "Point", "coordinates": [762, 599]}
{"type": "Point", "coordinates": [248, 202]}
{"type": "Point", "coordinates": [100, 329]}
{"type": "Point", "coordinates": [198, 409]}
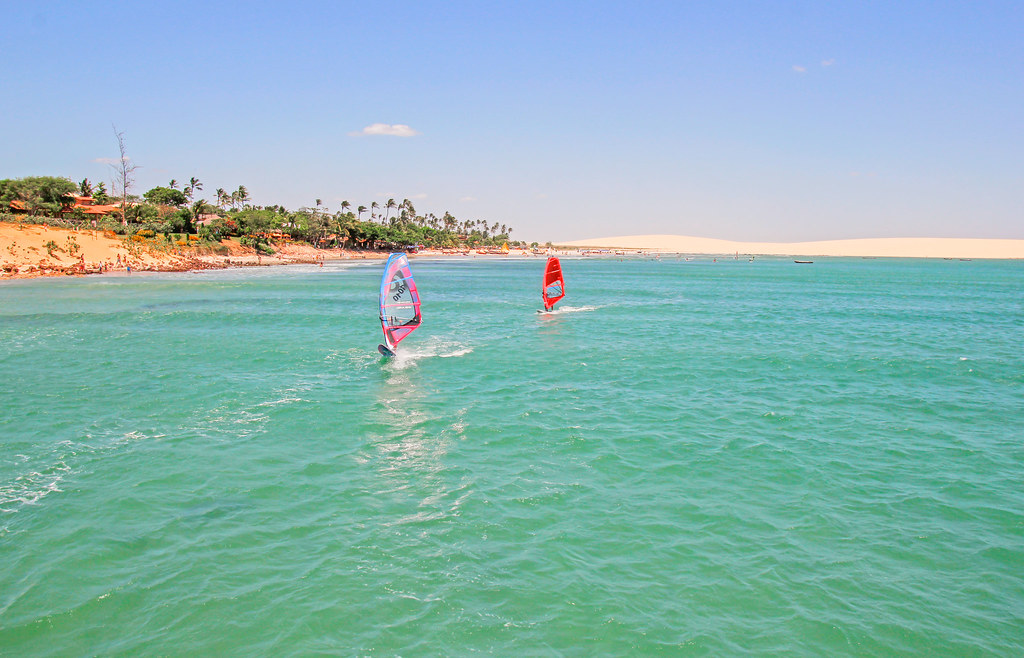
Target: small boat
{"type": "Point", "coordinates": [399, 303]}
{"type": "Point", "coordinates": [554, 284]}
{"type": "Point", "coordinates": [803, 261]}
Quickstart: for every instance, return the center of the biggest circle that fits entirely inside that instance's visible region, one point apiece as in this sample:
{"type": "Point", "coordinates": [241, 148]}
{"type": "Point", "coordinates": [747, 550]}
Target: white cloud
{"type": "Point", "coordinates": [828, 62]}
{"type": "Point", "coordinates": [468, 198]}
{"type": "Point", "coordinates": [421, 195]}
{"type": "Point", "coordinates": [110, 161]}
{"type": "Point", "coordinates": [395, 130]}
{"type": "Point", "coordinates": [799, 69]}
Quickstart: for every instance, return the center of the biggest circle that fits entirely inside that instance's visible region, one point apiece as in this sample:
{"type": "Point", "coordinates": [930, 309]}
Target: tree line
{"type": "Point", "coordinates": [177, 208]}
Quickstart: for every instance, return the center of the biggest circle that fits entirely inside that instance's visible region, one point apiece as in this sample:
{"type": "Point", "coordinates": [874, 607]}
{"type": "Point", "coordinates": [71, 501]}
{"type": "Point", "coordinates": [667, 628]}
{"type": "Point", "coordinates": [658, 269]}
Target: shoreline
{"type": "Point", "coordinates": [980, 248]}
{"type": "Point", "coordinates": [29, 251]}
{"type": "Point", "coordinates": [35, 250]}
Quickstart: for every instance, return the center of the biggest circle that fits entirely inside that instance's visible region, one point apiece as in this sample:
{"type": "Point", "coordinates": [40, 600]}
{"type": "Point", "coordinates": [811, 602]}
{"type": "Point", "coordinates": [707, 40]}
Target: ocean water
{"type": "Point", "coordinates": [688, 458]}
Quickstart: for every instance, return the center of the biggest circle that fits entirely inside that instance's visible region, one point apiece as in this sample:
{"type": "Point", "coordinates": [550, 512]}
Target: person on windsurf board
{"type": "Point", "coordinates": [554, 284]}
{"type": "Point", "coordinates": [399, 303]}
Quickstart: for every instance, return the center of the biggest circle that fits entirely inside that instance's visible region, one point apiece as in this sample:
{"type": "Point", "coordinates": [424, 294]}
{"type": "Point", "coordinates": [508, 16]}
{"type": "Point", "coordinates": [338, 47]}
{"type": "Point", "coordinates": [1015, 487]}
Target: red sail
{"type": "Point", "coordinates": [554, 284]}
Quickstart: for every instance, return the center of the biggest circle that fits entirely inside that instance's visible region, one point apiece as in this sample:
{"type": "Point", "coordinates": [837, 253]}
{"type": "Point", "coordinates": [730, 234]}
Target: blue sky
{"type": "Point", "coordinates": [776, 121]}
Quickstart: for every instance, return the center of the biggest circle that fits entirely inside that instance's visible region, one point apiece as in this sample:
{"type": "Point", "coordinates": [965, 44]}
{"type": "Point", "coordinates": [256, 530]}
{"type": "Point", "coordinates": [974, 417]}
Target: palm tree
{"type": "Point", "coordinates": [193, 185]}
{"type": "Point", "coordinates": [197, 209]}
{"type": "Point", "coordinates": [243, 195]}
{"type": "Point", "coordinates": [341, 226]}
{"type": "Point", "coordinates": [173, 184]}
{"type": "Point", "coordinates": [86, 187]}
{"type": "Point", "coordinates": [360, 210]}
{"type": "Point", "coordinates": [373, 206]}
{"type": "Point", "coordinates": [222, 197]}
{"type": "Point", "coordinates": [387, 208]}
{"type": "Point", "coordinates": [345, 205]}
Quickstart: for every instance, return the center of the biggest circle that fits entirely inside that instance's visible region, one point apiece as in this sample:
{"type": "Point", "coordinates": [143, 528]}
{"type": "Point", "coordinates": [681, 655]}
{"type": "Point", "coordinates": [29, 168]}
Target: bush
{"type": "Point", "coordinates": [221, 227]}
{"type": "Point", "coordinates": [112, 224]}
{"type": "Point", "coordinates": [178, 221]}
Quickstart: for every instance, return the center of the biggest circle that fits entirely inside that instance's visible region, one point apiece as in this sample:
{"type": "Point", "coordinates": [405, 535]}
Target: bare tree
{"type": "Point", "coordinates": [125, 172]}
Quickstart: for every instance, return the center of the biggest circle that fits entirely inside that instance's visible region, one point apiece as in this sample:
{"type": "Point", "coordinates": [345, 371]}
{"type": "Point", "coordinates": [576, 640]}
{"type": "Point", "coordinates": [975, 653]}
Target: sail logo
{"type": "Point", "coordinates": [400, 290]}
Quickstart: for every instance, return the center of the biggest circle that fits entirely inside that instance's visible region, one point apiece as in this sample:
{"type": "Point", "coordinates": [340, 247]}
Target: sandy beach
{"type": "Point", "coordinates": [878, 247]}
{"type": "Point", "coordinates": [32, 250]}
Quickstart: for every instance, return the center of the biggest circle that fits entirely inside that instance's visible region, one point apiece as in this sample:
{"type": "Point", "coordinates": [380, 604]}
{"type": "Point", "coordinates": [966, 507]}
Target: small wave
{"type": "Point", "coordinates": [438, 348]}
{"type": "Point", "coordinates": [32, 487]}
{"type": "Point", "coordinates": [56, 464]}
{"type": "Point", "coordinates": [137, 436]}
{"type": "Point", "coordinates": [562, 310]}
{"type": "Point", "coordinates": [275, 403]}
{"type": "Point", "coordinates": [459, 352]}
{"type": "Point", "coordinates": [231, 424]}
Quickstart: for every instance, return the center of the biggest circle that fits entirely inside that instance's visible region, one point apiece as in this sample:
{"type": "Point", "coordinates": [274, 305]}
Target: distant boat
{"type": "Point", "coordinates": [803, 261]}
{"type": "Point", "coordinates": [554, 284]}
{"type": "Point", "coordinates": [399, 303]}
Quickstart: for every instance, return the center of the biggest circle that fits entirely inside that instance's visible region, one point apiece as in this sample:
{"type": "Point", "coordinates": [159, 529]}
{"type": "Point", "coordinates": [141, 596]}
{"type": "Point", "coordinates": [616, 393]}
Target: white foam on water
{"type": "Point", "coordinates": [288, 396]}
{"type": "Point", "coordinates": [563, 310]}
{"type": "Point", "coordinates": [29, 488]}
{"type": "Point", "coordinates": [407, 356]}
{"type": "Point", "coordinates": [50, 470]}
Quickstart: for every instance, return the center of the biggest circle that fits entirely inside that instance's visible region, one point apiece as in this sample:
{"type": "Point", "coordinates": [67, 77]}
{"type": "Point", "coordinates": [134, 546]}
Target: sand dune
{"type": "Point", "coordinates": [876, 247]}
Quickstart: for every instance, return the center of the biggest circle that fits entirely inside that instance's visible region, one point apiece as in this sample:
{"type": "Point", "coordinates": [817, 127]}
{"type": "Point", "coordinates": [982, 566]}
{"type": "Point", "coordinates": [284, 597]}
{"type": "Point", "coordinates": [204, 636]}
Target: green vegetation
{"type": "Point", "coordinates": [38, 195]}
{"type": "Point", "coordinates": [165, 211]}
{"type": "Point", "coordinates": [165, 196]}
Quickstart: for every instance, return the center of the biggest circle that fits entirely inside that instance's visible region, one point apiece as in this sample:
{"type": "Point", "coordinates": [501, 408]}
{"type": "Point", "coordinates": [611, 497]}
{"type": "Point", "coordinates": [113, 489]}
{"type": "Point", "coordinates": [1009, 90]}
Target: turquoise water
{"type": "Point", "coordinates": [690, 458]}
